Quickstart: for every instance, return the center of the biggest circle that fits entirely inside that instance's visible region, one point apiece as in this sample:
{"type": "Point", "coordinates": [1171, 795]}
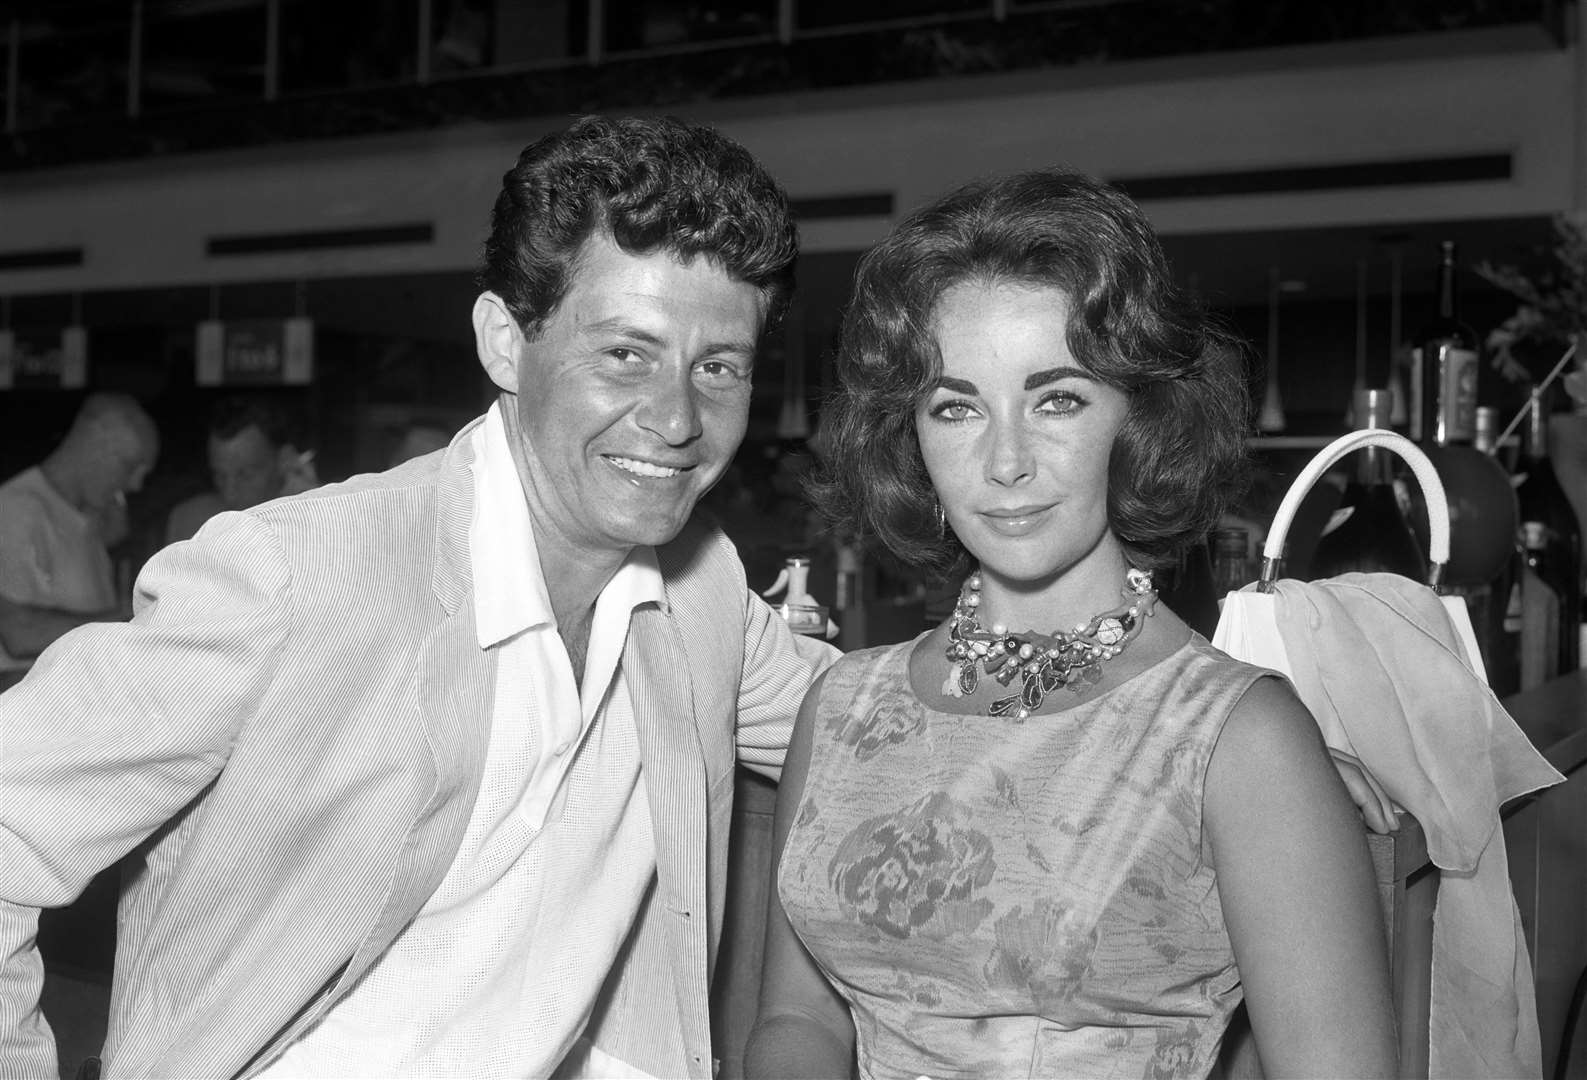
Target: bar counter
{"type": "Point", "coordinates": [1546, 838]}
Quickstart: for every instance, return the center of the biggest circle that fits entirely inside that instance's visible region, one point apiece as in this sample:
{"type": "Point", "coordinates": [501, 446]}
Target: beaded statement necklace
{"type": "Point", "coordinates": [1043, 662]}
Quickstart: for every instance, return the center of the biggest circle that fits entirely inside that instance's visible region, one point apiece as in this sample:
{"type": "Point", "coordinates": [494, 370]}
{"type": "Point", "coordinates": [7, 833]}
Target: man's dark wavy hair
{"type": "Point", "coordinates": [1178, 459]}
{"type": "Point", "coordinates": [277, 420]}
{"type": "Point", "coordinates": [651, 184]}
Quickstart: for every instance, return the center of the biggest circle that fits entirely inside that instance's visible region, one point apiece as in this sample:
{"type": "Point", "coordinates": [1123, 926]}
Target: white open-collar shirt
{"type": "Point", "coordinates": [498, 974]}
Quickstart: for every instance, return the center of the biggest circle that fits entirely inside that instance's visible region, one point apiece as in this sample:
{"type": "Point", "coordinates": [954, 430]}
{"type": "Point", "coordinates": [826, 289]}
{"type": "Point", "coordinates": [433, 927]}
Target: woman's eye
{"type": "Point", "coordinates": [953, 410]}
{"type": "Point", "coordinates": [1060, 402]}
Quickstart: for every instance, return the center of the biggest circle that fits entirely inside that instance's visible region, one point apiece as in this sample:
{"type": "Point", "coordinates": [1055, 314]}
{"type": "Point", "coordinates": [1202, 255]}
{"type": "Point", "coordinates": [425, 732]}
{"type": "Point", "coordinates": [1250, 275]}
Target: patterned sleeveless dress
{"type": "Point", "coordinates": [1004, 898]}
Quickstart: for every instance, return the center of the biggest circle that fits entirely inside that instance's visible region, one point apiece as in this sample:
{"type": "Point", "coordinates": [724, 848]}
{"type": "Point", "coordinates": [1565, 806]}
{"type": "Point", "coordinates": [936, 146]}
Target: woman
{"type": "Point", "coordinates": [1069, 850]}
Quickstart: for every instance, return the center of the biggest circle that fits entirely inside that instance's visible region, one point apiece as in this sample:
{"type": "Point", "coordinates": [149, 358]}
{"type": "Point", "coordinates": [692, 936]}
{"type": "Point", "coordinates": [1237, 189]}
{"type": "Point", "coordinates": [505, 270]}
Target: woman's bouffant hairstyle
{"type": "Point", "coordinates": [649, 183]}
{"type": "Point", "coordinates": [1178, 459]}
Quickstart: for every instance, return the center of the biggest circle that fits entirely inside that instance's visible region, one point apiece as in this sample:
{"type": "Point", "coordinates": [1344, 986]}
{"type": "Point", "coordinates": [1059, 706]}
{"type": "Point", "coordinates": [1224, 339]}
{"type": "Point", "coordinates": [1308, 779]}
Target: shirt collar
{"type": "Point", "coordinates": [509, 587]}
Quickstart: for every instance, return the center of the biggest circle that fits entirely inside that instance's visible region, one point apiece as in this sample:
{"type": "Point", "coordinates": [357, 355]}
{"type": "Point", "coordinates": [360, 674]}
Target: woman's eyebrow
{"type": "Point", "coordinates": [957, 386]}
{"type": "Point", "coordinates": [1051, 375]}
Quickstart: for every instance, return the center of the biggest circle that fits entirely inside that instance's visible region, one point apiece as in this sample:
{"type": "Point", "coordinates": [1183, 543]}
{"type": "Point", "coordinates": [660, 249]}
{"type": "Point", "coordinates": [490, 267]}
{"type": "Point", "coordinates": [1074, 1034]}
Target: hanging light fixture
{"type": "Point", "coordinates": [1271, 417]}
{"type": "Point", "coordinates": [1398, 410]}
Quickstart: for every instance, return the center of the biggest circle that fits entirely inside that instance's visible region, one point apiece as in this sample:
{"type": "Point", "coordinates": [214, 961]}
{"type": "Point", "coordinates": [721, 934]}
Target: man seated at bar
{"type": "Point", "coordinates": [417, 438]}
{"type": "Point", "coordinates": [253, 458]}
{"type": "Point", "coordinates": [58, 520]}
{"type": "Point", "coordinates": [435, 767]}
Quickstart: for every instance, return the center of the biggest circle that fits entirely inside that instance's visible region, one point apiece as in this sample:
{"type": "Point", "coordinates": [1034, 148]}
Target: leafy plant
{"type": "Point", "coordinates": [1552, 309]}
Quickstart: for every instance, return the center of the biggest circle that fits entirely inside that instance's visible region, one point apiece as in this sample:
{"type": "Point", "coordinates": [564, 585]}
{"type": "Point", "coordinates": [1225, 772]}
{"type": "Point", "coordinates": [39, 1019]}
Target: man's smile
{"type": "Point", "coordinates": [645, 468]}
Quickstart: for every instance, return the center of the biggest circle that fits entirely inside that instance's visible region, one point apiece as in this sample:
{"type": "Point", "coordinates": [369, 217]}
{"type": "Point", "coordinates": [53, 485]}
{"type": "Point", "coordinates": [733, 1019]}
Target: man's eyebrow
{"type": "Point", "coordinates": [1037, 379]}
{"type": "Point", "coordinates": [733, 348]}
{"type": "Point", "coordinates": [621, 326]}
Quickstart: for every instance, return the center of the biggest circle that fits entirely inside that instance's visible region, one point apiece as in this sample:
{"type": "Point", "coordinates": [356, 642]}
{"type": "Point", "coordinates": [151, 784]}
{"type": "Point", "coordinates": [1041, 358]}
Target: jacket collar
{"type": "Point", "coordinates": [452, 574]}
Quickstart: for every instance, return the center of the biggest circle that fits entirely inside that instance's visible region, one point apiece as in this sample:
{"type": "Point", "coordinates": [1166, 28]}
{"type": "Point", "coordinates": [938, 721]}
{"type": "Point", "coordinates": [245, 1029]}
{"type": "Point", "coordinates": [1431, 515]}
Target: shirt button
{"type": "Point", "coordinates": [561, 748]}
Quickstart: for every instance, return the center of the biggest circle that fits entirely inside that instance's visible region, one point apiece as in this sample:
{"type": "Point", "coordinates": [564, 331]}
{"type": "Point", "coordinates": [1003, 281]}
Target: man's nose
{"type": "Point", "coordinates": [671, 410]}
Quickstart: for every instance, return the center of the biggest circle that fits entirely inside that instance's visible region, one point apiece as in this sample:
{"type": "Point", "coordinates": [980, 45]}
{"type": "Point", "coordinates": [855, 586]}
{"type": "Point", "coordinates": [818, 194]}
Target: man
{"type": "Point", "coordinates": [436, 766]}
{"type": "Point", "coordinates": [253, 458]}
{"type": "Point", "coordinates": [417, 438]}
{"type": "Point", "coordinates": [59, 518]}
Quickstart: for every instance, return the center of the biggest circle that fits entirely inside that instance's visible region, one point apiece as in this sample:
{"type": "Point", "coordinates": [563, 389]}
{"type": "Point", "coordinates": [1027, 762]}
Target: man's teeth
{"type": "Point", "coordinates": [643, 468]}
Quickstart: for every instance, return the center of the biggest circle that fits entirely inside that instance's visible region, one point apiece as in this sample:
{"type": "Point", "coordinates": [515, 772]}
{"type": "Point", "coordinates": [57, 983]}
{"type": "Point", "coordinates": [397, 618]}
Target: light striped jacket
{"type": "Point", "coordinates": [294, 725]}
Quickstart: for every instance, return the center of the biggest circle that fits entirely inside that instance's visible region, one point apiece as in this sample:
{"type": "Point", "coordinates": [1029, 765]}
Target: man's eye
{"type": "Point", "coordinates": [721, 370]}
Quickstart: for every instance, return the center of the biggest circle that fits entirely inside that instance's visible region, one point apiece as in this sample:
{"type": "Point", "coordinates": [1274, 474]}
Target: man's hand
{"type": "Point", "coordinates": [298, 471]}
{"type": "Point", "coordinates": [1377, 809]}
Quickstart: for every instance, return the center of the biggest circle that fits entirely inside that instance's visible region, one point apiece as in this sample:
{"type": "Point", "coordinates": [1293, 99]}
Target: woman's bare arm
{"type": "Point", "coordinates": [1298, 894]}
{"type": "Point", "coordinates": [803, 1028]}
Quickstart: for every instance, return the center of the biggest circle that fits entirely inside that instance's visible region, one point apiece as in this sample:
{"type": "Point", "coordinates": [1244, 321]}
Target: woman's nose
{"type": "Point", "coordinates": [1009, 458]}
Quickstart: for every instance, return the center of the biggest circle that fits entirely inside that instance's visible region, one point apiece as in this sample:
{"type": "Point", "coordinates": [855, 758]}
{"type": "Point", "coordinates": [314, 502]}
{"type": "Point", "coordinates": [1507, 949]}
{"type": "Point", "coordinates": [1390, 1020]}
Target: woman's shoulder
{"type": "Point", "coordinates": [1268, 732]}
{"type": "Point", "coordinates": [876, 657]}
{"type": "Point", "coordinates": [1209, 667]}
{"type": "Point", "coordinates": [860, 678]}
{"type": "Point", "coordinates": [1205, 652]}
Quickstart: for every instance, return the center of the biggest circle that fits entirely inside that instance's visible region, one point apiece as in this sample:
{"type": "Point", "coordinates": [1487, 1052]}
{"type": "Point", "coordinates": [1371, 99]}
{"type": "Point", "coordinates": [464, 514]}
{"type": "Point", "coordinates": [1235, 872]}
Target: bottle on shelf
{"type": "Point", "coordinates": [1551, 542]}
{"type": "Point", "coordinates": [848, 601]}
{"type": "Point", "coordinates": [1486, 436]}
{"type": "Point", "coordinates": [803, 613]}
{"type": "Point", "coordinates": [1369, 532]}
{"type": "Point", "coordinates": [1444, 368]}
{"type": "Point", "coordinates": [1482, 508]}
{"type": "Point", "coordinates": [1232, 567]}
{"type": "Point", "coordinates": [1186, 589]}
{"type": "Point", "coordinates": [1482, 504]}
{"type": "Point", "coordinates": [1502, 635]}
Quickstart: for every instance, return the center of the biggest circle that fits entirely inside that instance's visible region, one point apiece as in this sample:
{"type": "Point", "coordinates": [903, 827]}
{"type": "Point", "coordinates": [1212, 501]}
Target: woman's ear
{"type": "Point", "coordinates": [497, 340]}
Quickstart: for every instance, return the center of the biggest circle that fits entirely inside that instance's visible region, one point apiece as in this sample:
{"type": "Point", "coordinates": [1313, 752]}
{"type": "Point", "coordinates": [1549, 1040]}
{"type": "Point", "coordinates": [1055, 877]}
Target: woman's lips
{"type": "Point", "coordinates": [1016, 521]}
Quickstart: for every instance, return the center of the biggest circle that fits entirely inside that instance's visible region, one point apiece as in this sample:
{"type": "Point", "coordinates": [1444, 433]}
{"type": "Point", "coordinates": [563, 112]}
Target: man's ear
{"type": "Point", "coordinates": [497, 340]}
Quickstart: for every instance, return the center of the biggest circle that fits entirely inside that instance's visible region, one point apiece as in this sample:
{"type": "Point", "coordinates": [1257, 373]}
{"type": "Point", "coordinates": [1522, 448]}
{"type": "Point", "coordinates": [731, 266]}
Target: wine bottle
{"type": "Point", "coordinates": [1369, 532]}
{"type": "Point", "coordinates": [1444, 368]}
{"type": "Point", "coordinates": [1500, 639]}
{"type": "Point", "coordinates": [1232, 568]}
{"type": "Point", "coordinates": [1187, 590]}
{"type": "Point", "coordinates": [1551, 582]}
{"type": "Point", "coordinates": [1482, 507]}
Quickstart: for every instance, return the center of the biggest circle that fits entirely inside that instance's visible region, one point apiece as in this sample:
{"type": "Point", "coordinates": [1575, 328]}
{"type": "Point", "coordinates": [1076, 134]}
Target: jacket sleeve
{"type": "Point", "coordinates": [116, 729]}
{"type": "Point", "coordinates": [779, 667]}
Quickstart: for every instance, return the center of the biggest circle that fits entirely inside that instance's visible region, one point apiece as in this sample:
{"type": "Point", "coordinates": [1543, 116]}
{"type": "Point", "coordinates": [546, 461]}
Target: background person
{"type": "Point", "coordinates": [1069, 850]}
{"type": "Point", "coordinates": [58, 520]}
{"type": "Point", "coordinates": [417, 438]}
{"type": "Point", "coordinates": [253, 457]}
{"type": "Point", "coordinates": [436, 766]}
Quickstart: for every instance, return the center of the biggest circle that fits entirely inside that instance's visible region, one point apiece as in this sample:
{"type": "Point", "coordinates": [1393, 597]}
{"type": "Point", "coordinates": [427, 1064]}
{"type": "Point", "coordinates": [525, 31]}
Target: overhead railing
{"type": "Point", "coordinates": [77, 64]}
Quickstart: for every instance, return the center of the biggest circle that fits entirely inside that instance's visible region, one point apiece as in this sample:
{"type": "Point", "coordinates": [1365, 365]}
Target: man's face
{"type": "Point", "coordinates": [634, 397]}
{"type": "Point", "coordinates": [130, 466]}
{"type": "Point", "coordinates": [124, 467]}
{"type": "Point", "coordinates": [246, 468]}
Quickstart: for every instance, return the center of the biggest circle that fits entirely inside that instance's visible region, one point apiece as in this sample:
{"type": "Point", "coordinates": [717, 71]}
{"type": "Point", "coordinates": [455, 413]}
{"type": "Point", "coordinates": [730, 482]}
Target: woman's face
{"type": "Point", "coordinates": [1016, 435]}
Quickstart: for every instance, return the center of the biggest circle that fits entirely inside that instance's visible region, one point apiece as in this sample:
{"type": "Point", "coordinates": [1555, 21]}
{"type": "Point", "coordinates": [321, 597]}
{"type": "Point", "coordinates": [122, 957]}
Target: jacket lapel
{"type": "Point", "coordinates": [453, 693]}
{"type": "Point", "coordinates": [660, 686]}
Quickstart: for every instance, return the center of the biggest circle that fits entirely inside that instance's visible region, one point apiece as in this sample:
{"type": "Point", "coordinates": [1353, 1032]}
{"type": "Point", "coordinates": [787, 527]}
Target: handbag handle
{"type": "Point", "coordinates": [1361, 438]}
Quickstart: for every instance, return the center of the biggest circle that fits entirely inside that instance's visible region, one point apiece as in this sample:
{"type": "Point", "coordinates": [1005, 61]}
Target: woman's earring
{"type": "Point", "coordinates": [942, 521]}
